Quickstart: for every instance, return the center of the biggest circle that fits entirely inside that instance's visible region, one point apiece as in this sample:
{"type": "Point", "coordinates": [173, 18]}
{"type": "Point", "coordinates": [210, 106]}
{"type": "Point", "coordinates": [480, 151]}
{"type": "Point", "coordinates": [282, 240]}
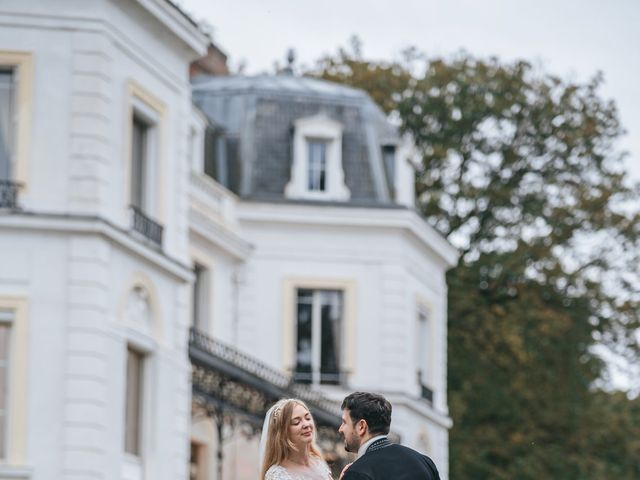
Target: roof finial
{"type": "Point", "coordinates": [291, 58]}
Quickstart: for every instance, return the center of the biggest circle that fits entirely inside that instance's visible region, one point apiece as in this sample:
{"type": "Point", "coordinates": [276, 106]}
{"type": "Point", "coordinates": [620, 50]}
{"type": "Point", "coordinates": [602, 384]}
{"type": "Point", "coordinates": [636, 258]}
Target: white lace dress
{"type": "Point", "coordinates": [317, 471]}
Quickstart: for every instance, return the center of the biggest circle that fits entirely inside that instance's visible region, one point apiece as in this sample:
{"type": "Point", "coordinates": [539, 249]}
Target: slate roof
{"type": "Point", "coordinates": [258, 114]}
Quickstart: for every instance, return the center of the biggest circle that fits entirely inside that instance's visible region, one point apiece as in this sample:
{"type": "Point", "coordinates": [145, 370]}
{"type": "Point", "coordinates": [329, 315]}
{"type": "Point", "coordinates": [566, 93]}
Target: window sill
{"type": "Point", "coordinates": [9, 194]}
{"type": "Point", "coordinates": [328, 195]}
{"type": "Point", "coordinates": [132, 468]}
{"type": "Point", "coordinates": [9, 472]}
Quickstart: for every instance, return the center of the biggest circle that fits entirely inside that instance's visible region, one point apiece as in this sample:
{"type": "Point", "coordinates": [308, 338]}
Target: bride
{"type": "Point", "coordinates": [288, 449]}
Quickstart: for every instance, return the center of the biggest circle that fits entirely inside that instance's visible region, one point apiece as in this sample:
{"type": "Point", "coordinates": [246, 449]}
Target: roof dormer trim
{"type": "Point", "coordinates": [316, 169]}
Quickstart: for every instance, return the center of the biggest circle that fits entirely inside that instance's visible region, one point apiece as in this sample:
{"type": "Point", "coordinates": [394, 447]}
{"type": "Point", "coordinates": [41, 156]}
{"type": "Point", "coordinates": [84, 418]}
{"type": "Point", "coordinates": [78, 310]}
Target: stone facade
{"type": "Point", "coordinates": [98, 297]}
{"type": "Point", "coordinates": [92, 288]}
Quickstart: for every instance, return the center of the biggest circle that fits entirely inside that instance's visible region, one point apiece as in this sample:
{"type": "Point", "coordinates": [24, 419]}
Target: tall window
{"type": "Point", "coordinates": [133, 402]}
{"type": "Point", "coordinates": [7, 121]}
{"type": "Point", "coordinates": [200, 296]}
{"type": "Point", "coordinates": [423, 353]}
{"type": "Point", "coordinates": [16, 97]}
{"type": "Point", "coordinates": [389, 159]}
{"type": "Point", "coordinates": [317, 165]}
{"type": "Point", "coordinates": [215, 155]}
{"type": "Point", "coordinates": [6, 318]}
{"type": "Point", "coordinates": [139, 162]}
{"type": "Point", "coordinates": [319, 325]}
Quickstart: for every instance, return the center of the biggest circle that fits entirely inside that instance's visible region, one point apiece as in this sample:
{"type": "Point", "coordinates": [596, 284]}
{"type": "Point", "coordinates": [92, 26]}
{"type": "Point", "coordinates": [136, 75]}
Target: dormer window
{"type": "Point", "coordinates": [316, 170]}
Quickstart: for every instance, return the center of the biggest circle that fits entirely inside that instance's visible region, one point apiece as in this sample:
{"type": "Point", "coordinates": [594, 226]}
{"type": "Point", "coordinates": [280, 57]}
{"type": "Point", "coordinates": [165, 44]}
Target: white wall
{"type": "Point", "coordinates": [223, 299]}
{"type": "Point", "coordinates": [70, 255]}
{"type": "Point", "coordinates": [73, 261]}
{"type": "Point", "coordinates": [391, 271]}
{"type": "Point", "coordinates": [85, 54]}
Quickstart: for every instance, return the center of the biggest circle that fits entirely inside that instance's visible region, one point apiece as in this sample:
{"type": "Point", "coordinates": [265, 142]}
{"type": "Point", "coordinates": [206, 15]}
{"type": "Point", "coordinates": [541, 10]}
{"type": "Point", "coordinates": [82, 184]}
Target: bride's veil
{"type": "Point", "coordinates": [265, 435]}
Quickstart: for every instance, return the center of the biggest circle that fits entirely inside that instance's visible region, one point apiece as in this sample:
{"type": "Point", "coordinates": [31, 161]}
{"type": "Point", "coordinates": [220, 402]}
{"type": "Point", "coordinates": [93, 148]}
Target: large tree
{"type": "Point", "coordinates": [520, 171]}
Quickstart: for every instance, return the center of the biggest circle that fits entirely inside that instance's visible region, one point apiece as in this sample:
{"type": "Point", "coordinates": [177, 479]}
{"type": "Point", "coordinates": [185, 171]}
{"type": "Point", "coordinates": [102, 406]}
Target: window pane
{"type": "Point", "coordinates": [331, 318]}
{"type": "Point", "coordinates": [7, 122]}
{"type": "Point", "coordinates": [138, 162]}
{"type": "Point", "coordinates": [389, 158]}
{"type": "Point", "coordinates": [305, 296]}
{"type": "Point", "coordinates": [317, 167]}
{"type": "Point", "coordinates": [303, 350]}
{"type": "Point", "coordinates": [211, 153]}
{"type": "Point", "coordinates": [422, 347]}
{"type": "Point", "coordinates": [4, 384]}
{"type": "Point", "coordinates": [3, 437]}
{"type": "Point", "coordinates": [133, 402]}
{"type": "Point", "coordinates": [4, 342]}
{"type": "Point", "coordinates": [199, 297]}
{"type": "Point", "coordinates": [197, 285]}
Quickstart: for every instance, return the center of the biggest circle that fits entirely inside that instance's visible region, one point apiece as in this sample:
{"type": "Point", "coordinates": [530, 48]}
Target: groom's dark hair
{"type": "Point", "coordinates": [370, 407]}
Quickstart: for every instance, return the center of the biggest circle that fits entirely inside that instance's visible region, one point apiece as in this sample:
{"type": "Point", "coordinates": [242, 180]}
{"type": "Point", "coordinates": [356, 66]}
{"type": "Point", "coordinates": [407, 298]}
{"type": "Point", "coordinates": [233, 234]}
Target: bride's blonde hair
{"type": "Point", "coordinates": [278, 445]}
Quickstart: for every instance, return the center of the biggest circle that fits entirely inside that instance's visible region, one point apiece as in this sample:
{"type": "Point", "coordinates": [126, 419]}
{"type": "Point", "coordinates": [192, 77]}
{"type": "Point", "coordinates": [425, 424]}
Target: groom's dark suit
{"type": "Point", "coordinates": [386, 461]}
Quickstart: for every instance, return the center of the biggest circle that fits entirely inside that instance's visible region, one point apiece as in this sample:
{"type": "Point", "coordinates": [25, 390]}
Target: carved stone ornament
{"type": "Point", "coordinates": [138, 310]}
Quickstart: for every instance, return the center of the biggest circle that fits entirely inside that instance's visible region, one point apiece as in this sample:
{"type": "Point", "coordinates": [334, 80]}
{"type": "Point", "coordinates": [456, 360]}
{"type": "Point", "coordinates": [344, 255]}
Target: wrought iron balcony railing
{"type": "Point", "coordinates": [234, 356]}
{"type": "Point", "coordinates": [146, 226]}
{"type": "Point", "coordinates": [283, 384]}
{"type": "Point", "coordinates": [9, 194]}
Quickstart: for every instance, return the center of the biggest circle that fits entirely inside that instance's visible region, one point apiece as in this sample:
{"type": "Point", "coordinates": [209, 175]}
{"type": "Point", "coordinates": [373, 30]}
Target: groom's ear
{"type": "Point", "coordinates": [362, 427]}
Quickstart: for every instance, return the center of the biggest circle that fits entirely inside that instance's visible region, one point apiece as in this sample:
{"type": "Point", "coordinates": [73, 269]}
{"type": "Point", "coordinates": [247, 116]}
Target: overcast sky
{"type": "Point", "coordinates": [570, 38]}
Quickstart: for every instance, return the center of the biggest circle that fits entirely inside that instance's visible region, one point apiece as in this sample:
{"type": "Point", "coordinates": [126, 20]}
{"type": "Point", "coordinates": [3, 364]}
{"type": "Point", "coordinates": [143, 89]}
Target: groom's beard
{"type": "Point", "coordinates": [352, 444]}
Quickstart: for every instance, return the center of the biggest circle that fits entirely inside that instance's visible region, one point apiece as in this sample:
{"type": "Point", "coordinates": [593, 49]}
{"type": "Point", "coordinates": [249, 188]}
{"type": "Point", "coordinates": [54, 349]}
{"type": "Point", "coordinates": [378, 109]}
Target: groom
{"type": "Point", "coordinates": [366, 418]}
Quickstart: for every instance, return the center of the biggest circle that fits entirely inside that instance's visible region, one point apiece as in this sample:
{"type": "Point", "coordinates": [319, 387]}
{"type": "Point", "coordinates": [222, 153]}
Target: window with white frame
{"type": "Point", "coordinates": [140, 133]}
{"type": "Point", "coordinates": [7, 122]}
{"type": "Point", "coordinates": [423, 353]}
{"type": "Point", "coordinates": [145, 165]}
{"type": "Point", "coordinates": [6, 322]}
{"type": "Point", "coordinates": [389, 160]}
{"type": "Point", "coordinates": [146, 117]}
{"type": "Point", "coordinates": [200, 296]}
{"type": "Point", "coordinates": [319, 319]}
{"type": "Point", "coordinates": [211, 152]}
{"type": "Point", "coordinates": [193, 153]}
{"type": "Point", "coordinates": [16, 96]}
{"type": "Point", "coordinates": [133, 402]}
{"type": "Point", "coordinates": [316, 170]}
{"type": "Point", "coordinates": [316, 165]}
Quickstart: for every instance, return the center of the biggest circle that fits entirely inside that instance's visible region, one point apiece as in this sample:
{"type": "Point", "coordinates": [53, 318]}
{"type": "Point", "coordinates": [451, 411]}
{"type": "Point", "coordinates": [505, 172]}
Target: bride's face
{"type": "Point", "coordinates": [301, 426]}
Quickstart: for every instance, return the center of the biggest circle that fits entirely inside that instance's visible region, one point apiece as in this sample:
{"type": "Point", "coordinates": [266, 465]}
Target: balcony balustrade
{"type": "Point", "coordinates": [210, 200]}
{"type": "Point", "coordinates": [9, 194]}
{"type": "Point", "coordinates": [146, 226]}
{"type": "Point", "coordinates": [212, 358]}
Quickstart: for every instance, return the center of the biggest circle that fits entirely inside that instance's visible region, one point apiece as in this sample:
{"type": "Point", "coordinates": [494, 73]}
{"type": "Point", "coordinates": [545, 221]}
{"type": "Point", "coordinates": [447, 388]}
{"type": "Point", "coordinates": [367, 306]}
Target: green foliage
{"type": "Point", "coordinates": [519, 170]}
{"type": "Point", "coordinates": [517, 387]}
{"type": "Point", "coordinates": [383, 81]}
